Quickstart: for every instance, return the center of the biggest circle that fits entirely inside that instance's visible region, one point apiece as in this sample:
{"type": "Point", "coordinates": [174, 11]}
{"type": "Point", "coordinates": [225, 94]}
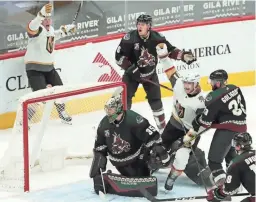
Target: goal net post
{"type": "Point", "coordinates": [41, 126]}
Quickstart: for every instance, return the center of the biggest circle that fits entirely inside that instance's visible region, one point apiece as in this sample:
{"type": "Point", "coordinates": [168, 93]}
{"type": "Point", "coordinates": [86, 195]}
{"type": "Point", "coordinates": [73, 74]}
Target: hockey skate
{"type": "Point", "coordinates": [170, 182]}
{"type": "Point", "coordinates": [173, 175]}
{"type": "Point", "coordinates": [65, 118]}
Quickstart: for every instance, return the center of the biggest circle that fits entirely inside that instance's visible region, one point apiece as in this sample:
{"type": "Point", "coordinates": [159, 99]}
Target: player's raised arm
{"type": "Point", "coordinates": [34, 26]}
{"type": "Point", "coordinates": [177, 54]}
{"type": "Point", "coordinates": [167, 64]}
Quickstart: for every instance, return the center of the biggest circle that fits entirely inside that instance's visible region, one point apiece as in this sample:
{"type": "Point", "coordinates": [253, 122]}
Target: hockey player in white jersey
{"type": "Point", "coordinates": [39, 57]}
{"type": "Point", "coordinates": [188, 101]}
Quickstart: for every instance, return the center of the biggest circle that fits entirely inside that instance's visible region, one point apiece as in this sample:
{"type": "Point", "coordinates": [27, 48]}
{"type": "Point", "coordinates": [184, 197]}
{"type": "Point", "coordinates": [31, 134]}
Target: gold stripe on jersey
{"type": "Point", "coordinates": [169, 72]}
{"type": "Point", "coordinates": [30, 31]}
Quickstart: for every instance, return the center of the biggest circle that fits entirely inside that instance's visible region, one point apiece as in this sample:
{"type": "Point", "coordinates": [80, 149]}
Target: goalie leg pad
{"type": "Point", "coordinates": [99, 162]}
{"type": "Point", "coordinates": [125, 186]}
{"type": "Point", "coordinates": [181, 158]}
{"type": "Point", "coordinates": [192, 170]}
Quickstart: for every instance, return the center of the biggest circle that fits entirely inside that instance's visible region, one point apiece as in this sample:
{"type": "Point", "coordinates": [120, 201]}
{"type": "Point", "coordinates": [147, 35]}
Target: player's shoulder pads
{"type": "Point", "coordinates": [129, 36]}
{"type": "Point", "coordinates": [134, 117]}
{"type": "Point", "coordinates": [157, 36]}
{"type": "Point", "coordinates": [103, 123]}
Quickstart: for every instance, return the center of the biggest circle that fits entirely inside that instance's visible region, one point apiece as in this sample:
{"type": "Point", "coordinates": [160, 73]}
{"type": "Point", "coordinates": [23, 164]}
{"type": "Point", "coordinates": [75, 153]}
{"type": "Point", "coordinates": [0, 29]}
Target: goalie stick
{"type": "Point", "coordinates": [151, 198]}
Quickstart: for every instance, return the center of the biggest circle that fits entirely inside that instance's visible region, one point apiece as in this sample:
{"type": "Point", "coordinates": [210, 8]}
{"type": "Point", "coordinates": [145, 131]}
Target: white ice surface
{"type": "Point", "coordinates": [73, 184]}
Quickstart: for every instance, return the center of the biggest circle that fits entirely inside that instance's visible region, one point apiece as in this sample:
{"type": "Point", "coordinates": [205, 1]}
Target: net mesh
{"type": "Point", "coordinates": [59, 118]}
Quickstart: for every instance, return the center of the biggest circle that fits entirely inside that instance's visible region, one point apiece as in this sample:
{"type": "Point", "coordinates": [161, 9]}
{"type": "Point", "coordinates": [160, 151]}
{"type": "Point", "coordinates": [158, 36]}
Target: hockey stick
{"type": "Point", "coordinates": [77, 12]}
{"type": "Point", "coordinates": [157, 84]}
{"type": "Point", "coordinates": [151, 198]}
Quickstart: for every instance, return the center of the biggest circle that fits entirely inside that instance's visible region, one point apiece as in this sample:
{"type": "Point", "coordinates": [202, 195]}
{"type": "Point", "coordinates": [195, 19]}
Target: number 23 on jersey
{"type": "Point", "coordinates": [236, 106]}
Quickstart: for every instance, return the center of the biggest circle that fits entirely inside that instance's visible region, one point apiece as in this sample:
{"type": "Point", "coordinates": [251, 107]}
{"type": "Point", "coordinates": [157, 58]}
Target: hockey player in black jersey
{"type": "Point", "coordinates": [240, 171]}
{"type": "Point", "coordinates": [136, 55]}
{"type": "Point", "coordinates": [126, 138]}
{"type": "Point", "coordinates": [226, 111]}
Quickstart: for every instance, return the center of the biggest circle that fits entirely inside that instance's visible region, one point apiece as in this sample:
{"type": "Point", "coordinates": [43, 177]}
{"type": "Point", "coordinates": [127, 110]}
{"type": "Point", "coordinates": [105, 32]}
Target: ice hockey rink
{"type": "Point", "coordinates": [72, 184]}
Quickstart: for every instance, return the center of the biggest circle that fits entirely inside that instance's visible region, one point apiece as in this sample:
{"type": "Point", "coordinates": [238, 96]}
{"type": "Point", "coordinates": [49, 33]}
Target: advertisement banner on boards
{"type": "Point", "coordinates": [99, 18]}
{"type": "Point", "coordinates": [93, 63]}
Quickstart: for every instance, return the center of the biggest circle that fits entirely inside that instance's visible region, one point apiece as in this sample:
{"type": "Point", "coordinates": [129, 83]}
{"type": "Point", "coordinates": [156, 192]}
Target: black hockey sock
{"type": "Point", "coordinates": [218, 173]}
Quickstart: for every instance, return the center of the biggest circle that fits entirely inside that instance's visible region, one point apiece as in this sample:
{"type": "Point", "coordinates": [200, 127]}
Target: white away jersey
{"type": "Point", "coordinates": [185, 107]}
{"type": "Point", "coordinates": [40, 49]}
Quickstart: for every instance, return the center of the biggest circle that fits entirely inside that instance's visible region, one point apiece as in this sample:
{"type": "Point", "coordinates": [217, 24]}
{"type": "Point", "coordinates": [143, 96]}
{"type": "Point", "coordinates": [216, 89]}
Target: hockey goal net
{"type": "Point", "coordinates": [43, 132]}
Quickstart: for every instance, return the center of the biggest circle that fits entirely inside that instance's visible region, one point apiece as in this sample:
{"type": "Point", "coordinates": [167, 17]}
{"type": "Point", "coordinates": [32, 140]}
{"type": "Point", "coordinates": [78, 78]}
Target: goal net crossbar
{"type": "Point", "coordinates": [36, 109]}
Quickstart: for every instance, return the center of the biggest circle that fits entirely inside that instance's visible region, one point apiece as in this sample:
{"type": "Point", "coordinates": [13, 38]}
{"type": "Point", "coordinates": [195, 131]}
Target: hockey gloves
{"type": "Point", "coordinates": [133, 72]}
{"type": "Point", "coordinates": [187, 57]}
{"type": "Point", "coordinates": [46, 11]}
{"type": "Point", "coordinates": [217, 194]}
{"type": "Point", "coordinates": [189, 138]}
{"type": "Point", "coordinates": [159, 157]}
{"type": "Point", "coordinates": [67, 29]}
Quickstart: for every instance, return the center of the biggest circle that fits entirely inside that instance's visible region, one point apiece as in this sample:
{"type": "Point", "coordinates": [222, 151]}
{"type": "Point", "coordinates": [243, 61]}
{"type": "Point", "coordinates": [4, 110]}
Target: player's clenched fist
{"type": "Point", "coordinates": [46, 11]}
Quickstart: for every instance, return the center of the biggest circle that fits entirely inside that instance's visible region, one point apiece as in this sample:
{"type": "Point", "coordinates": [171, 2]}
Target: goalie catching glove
{"type": "Point", "coordinates": [184, 56]}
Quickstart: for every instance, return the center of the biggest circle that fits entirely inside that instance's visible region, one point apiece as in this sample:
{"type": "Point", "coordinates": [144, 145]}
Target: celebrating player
{"type": "Point", "coordinates": [125, 137]}
{"type": "Point", "coordinates": [136, 54]}
{"type": "Point", "coordinates": [39, 57]}
{"type": "Point", "coordinates": [188, 101]}
{"type": "Point", "coordinates": [226, 111]}
{"type": "Point", "coordinates": [241, 170]}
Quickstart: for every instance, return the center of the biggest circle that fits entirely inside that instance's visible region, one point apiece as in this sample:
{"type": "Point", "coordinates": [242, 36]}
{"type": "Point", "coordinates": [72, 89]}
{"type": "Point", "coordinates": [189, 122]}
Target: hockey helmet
{"type": "Point", "coordinates": [244, 140]}
{"type": "Point", "coordinates": [218, 78]}
{"type": "Point", "coordinates": [191, 83]}
{"type": "Point", "coordinates": [191, 77]}
{"type": "Point", "coordinates": [113, 108]}
{"type": "Point", "coordinates": [219, 75]}
{"type": "Point", "coordinates": [145, 19]}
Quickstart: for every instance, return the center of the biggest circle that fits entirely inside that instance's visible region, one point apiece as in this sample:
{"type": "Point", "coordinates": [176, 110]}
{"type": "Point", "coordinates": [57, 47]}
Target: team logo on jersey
{"type": "Point", "coordinates": [106, 133]}
{"type": "Point", "coordinates": [201, 98]}
{"type": "Point", "coordinates": [139, 119]}
{"type": "Point", "coordinates": [136, 46]}
{"type": "Point", "coordinates": [179, 109]}
{"type": "Point", "coordinates": [119, 145]}
{"type": "Point", "coordinates": [208, 98]}
{"type": "Point", "coordinates": [146, 59]}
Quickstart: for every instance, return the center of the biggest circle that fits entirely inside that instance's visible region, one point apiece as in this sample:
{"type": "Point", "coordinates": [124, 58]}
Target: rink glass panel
{"type": "Point", "coordinates": [100, 18]}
